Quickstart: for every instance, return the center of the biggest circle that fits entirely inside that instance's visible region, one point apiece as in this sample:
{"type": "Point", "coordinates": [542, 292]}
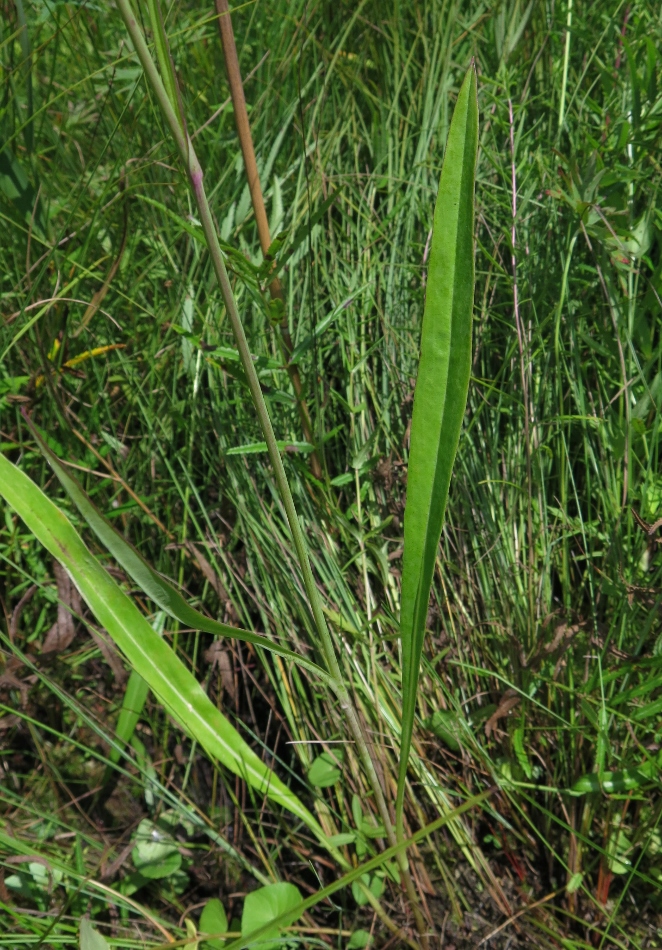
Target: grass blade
{"type": "Point", "coordinates": [135, 697]}
{"type": "Point", "coordinates": [163, 671]}
{"type": "Point", "coordinates": [441, 393]}
{"type": "Point", "coordinates": [150, 582]}
{"type": "Point", "coordinates": [164, 57]}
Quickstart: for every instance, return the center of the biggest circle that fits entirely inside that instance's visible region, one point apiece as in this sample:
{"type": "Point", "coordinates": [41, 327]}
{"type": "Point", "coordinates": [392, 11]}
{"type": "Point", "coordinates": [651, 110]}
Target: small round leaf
{"type": "Point", "coordinates": [265, 904]}
{"type": "Point", "coordinates": [324, 771]}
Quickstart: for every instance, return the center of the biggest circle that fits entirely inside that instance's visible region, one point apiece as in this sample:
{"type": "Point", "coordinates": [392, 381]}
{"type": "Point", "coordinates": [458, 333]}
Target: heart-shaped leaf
{"type": "Point", "coordinates": [89, 938]}
{"type": "Point", "coordinates": [213, 920]}
{"type": "Point", "coordinates": [155, 854]}
{"type": "Point", "coordinates": [324, 771]}
{"type": "Point", "coordinates": [264, 905]}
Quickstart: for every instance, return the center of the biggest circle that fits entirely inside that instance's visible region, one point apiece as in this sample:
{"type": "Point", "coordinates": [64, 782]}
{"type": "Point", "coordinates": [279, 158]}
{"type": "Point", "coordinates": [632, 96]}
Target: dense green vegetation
{"type": "Point", "coordinates": [541, 671]}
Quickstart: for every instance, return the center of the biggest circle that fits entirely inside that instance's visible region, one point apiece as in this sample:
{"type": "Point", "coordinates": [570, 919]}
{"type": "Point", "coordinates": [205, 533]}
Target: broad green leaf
{"type": "Point", "coordinates": [213, 920]}
{"type": "Point", "coordinates": [89, 938]}
{"type": "Point", "coordinates": [135, 697]}
{"type": "Point", "coordinates": [575, 882]}
{"type": "Point", "coordinates": [359, 940]}
{"type": "Point", "coordinates": [264, 905]}
{"type": "Point", "coordinates": [155, 854]}
{"type": "Point", "coordinates": [191, 932]}
{"type": "Point", "coordinates": [339, 841]}
{"type": "Point", "coordinates": [150, 582]}
{"type": "Point", "coordinates": [619, 847]}
{"type": "Point", "coordinates": [163, 671]}
{"type": "Point", "coordinates": [520, 752]}
{"type": "Point", "coordinates": [441, 393]}
{"type": "Point", "coordinates": [325, 770]}
{"type": "Point", "coordinates": [159, 867]}
{"type": "Point", "coordinates": [375, 884]}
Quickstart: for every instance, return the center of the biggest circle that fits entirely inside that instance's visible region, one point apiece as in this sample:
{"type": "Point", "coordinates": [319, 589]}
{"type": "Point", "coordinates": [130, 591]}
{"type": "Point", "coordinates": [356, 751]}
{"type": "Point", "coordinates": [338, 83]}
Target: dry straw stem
{"type": "Point", "coordinates": [195, 175]}
{"type": "Point", "coordinates": [257, 199]}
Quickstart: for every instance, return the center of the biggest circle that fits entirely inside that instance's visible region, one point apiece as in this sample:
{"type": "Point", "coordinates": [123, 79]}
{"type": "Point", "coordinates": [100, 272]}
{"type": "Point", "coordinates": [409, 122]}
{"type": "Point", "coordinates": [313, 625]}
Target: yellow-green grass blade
{"type": "Point", "coordinates": [441, 393]}
{"type": "Point", "coordinates": [165, 674]}
{"type": "Point", "coordinates": [150, 581]}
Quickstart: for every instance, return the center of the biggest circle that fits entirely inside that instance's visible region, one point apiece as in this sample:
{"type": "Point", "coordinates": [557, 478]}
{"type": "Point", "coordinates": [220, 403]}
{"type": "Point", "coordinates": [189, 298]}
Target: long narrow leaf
{"type": "Point", "coordinates": [150, 582]}
{"type": "Point", "coordinates": [163, 671]}
{"type": "Point", "coordinates": [441, 393]}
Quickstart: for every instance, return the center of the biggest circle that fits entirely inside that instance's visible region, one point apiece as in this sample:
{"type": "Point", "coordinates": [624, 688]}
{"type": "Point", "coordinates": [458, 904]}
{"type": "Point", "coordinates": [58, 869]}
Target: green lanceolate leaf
{"type": "Point", "coordinates": [163, 671]}
{"type": "Point", "coordinates": [135, 697]}
{"type": "Point", "coordinates": [150, 582]}
{"type": "Point", "coordinates": [441, 392]}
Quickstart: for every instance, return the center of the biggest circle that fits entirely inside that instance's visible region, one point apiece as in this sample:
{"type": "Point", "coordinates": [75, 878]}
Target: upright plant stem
{"type": "Point", "coordinates": [523, 375]}
{"type": "Point", "coordinates": [195, 174]}
{"type": "Point", "coordinates": [257, 199]}
{"type": "Point", "coordinates": [26, 66]}
{"type": "Point", "coordinates": [566, 60]}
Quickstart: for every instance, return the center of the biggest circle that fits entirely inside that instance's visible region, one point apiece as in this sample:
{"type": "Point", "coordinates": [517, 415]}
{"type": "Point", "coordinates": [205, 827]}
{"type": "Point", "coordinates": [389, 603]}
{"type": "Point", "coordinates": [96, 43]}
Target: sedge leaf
{"type": "Point", "coordinates": [165, 674]}
{"type": "Point", "coordinates": [441, 393]}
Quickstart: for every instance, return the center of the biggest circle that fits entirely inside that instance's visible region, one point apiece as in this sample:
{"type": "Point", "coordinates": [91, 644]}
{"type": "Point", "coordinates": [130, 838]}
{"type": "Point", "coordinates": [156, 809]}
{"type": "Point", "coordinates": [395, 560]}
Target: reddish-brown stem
{"type": "Point", "coordinates": [257, 199]}
{"type": "Point", "coordinates": [523, 374]}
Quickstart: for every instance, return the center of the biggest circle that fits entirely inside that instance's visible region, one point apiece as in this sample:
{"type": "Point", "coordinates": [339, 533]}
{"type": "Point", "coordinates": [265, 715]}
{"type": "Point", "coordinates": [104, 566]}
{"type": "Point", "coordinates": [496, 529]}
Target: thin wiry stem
{"type": "Point", "coordinates": [523, 372]}
{"type": "Point", "coordinates": [195, 174]}
{"type": "Point", "coordinates": [257, 200]}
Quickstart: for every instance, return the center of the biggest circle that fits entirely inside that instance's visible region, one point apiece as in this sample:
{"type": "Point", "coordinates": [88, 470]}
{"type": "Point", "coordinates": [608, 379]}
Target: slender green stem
{"type": "Point", "coordinates": [195, 173]}
{"type": "Point", "coordinates": [26, 52]}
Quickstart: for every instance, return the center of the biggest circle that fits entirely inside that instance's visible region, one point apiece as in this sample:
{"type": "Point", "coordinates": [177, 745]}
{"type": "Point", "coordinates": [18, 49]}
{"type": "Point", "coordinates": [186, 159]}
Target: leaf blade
{"type": "Point", "coordinates": [166, 675]}
{"type": "Point", "coordinates": [441, 393]}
